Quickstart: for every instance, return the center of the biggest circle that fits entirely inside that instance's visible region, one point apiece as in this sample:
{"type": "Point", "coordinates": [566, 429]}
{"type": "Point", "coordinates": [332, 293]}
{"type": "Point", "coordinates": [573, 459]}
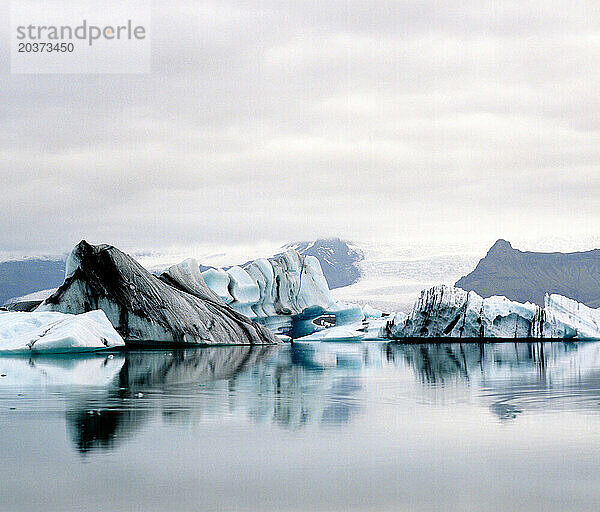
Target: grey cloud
{"type": "Point", "coordinates": [286, 120]}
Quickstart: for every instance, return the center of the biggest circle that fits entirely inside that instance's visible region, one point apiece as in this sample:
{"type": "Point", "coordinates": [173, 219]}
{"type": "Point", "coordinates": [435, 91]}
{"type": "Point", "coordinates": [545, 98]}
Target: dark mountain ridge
{"type": "Point", "coordinates": [21, 277]}
{"type": "Point", "coordinates": [527, 276]}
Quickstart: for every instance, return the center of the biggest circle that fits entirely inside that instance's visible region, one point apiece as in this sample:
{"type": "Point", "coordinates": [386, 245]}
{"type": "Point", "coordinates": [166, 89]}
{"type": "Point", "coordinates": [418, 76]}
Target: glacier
{"type": "Point", "coordinates": [145, 309]}
{"type": "Point", "coordinates": [445, 311]}
{"type": "Point", "coordinates": [53, 332]}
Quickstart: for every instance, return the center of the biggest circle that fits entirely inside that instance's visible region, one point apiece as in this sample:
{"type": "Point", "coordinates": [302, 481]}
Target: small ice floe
{"type": "Point", "coordinates": [53, 332]}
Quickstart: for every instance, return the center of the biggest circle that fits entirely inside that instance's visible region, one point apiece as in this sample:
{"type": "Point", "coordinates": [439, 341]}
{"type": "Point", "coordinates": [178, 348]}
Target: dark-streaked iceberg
{"type": "Point", "coordinates": [445, 311]}
{"type": "Point", "coordinates": [567, 318]}
{"type": "Point", "coordinates": [144, 309]}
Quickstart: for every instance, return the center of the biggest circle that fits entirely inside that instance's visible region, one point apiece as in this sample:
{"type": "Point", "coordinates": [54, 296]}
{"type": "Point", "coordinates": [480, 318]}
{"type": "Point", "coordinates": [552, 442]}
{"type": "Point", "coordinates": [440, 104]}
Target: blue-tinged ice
{"type": "Point", "coordinates": [53, 332]}
{"type": "Point", "coordinates": [218, 281]}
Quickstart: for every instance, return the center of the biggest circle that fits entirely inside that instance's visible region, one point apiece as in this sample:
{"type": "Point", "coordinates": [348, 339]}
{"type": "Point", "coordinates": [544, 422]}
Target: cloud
{"type": "Point", "coordinates": [280, 120]}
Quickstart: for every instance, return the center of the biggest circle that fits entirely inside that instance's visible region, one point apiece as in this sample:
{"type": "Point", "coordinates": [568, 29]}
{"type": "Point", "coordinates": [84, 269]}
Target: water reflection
{"type": "Point", "coordinates": [436, 364]}
{"type": "Point", "coordinates": [149, 382]}
{"type": "Point", "coordinates": [512, 377]}
{"type": "Point", "coordinates": [108, 398]}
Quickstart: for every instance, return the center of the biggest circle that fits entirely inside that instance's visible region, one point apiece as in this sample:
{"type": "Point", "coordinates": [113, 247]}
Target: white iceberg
{"type": "Point", "coordinates": [287, 284]}
{"type": "Point", "coordinates": [28, 302]}
{"type": "Point", "coordinates": [368, 329]}
{"type": "Point", "coordinates": [261, 271]}
{"type": "Point", "coordinates": [370, 312]}
{"type": "Point", "coordinates": [342, 333]}
{"type": "Point", "coordinates": [53, 332]}
{"type": "Point", "coordinates": [567, 318]}
{"type": "Point", "coordinates": [299, 284]}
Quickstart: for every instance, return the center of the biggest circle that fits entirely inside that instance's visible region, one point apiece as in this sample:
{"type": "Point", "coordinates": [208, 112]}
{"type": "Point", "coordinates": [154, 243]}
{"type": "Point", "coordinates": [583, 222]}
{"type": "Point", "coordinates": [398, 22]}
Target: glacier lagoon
{"type": "Point", "coordinates": [307, 426]}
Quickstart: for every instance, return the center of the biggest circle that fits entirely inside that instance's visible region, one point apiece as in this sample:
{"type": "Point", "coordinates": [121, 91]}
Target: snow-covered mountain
{"type": "Point", "coordinates": [339, 259]}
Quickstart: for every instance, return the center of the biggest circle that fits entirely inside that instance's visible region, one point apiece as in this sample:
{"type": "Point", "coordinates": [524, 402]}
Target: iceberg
{"type": "Point", "coordinates": [445, 311]}
{"type": "Point", "coordinates": [341, 333]}
{"type": "Point", "coordinates": [285, 293]}
{"type": "Point", "coordinates": [370, 312]}
{"type": "Point", "coordinates": [299, 284]}
{"type": "Point", "coordinates": [53, 332]}
{"type": "Point", "coordinates": [186, 277]}
{"type": "Point", "coordinates": [28, 302]}
{"type": "Point", "coordinates": [567, 318]}
{"type": "Point", "coordinates": [218, 281]}
{"type": "Point", "coordinates": [244, 290]}
{"type": "Point", "coordinates": [262, 272]}
{"type": "Point", "coordinates": [145, 309]}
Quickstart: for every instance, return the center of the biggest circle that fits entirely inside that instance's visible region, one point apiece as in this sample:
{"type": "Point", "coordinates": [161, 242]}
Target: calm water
{"type": "Point", "coordinates": [378, 426]}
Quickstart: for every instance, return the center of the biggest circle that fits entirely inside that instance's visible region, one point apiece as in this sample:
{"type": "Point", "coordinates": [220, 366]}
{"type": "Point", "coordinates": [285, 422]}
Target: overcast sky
{"type": "Point", "coordinates": [275, 121]}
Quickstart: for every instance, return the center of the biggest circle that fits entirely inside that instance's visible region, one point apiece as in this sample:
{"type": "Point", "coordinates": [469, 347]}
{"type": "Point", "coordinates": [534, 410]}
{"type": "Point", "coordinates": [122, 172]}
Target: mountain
{"type": "Point", "coordinates": [525, 276]}
{"type": "Point", "coordinates": [21, 277]}
{"type": "Point", "coordinates": [339, 260]}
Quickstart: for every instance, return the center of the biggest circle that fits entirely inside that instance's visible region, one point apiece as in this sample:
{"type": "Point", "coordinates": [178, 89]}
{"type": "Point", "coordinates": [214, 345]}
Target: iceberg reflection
{"type": "Point", "coordinates": [512, 378]}
{"type": "Point", "coordinates": [108, 398]}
